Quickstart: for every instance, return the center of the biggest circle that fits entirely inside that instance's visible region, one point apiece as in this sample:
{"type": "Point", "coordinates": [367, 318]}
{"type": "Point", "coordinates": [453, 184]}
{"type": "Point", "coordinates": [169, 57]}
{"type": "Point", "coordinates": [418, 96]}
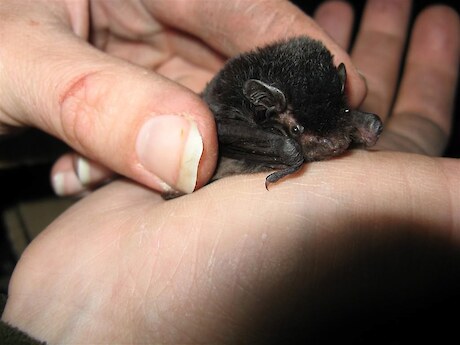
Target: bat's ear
{"type": "Point", "coordinates": [342, 76]}
{"type": "Point", "coordinates": [367, 127]}
{"type": "Point", "coordinates": [264, 96]}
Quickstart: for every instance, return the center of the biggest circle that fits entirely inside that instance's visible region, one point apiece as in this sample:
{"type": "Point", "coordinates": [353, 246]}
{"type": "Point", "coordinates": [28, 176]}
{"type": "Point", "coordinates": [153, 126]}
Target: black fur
{"type": "Point", "coordinates": [302, 68]}
{"type": "Point", "coordinates": [282, 105]}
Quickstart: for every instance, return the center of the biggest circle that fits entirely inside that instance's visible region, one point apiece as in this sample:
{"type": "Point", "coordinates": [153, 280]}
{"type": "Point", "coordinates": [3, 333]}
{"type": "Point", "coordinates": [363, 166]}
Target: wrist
{"type": "Point", "coordinates": [13, 335]}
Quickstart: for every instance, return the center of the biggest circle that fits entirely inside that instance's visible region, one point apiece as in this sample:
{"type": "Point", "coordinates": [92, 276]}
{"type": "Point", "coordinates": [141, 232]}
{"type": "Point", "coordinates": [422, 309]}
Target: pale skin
{"type": "Point", "coordinates": [124, 266]}
{"type": "Point", "coordinates": [98, 104]}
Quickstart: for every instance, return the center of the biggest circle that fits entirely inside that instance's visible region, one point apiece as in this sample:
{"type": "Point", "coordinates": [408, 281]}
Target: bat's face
{"type": "Point", "coordinates": [329, 140]}
{"type": "Point", "coordinates": [332, 139]}
{"type": "Point", "coordinates": [322, 124]}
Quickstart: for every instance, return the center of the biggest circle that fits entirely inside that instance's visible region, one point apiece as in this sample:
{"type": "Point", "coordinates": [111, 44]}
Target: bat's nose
{"type": "Point", "coordinates": [376, 126]}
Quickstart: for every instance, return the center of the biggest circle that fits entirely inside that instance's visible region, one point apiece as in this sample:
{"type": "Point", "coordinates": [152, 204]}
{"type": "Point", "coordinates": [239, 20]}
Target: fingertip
{"type": "Point", "coordinates": [357, 89]}
{"type": "Point", "coordinates": [440, 11]}
{"type": "Point", "coordinates": [438, 27]}
{"type": "Point", "coordinates": [72, 174]}
{"type": "Point", "coordinates": [209, 156]}
{"type": "Point", "coordinates": [64, 179]}
{"type": "Point", "coordinates": [199, 113]}
{"type": "Point", "coordinates": [179, 149]}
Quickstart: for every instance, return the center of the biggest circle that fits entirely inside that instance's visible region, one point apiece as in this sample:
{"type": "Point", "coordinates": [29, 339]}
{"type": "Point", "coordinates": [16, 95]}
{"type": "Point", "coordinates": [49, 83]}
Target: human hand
{"type": "Point", "coordinates": [234, 263]}
{"type": "Point", "coordinates": [131, 115]}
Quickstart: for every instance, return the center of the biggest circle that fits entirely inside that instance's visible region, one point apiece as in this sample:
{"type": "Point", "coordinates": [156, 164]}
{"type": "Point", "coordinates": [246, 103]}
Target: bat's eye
{"type": "Point", "coordinates": [296, 130]}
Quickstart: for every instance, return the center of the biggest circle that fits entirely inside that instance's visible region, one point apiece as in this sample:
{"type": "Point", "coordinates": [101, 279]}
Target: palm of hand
{"type": "Point", "coordinates": [127, 31]}
{"type": "Point", "coordinates": [225, 263]}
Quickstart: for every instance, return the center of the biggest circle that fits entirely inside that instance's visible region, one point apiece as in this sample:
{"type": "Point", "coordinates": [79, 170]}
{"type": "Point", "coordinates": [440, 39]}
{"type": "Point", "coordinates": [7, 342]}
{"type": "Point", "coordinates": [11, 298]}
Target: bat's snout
{"type": "Point", "coordinates": [318, 148]}
{"type": "Point", "coordinates": [367, 126]}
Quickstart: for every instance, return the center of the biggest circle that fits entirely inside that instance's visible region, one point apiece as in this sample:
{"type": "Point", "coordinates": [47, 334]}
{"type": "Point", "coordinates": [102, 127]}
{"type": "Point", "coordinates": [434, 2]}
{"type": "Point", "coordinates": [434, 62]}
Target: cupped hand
{"type": "Point", "coordinates": [118, 80]}
{"type": "Point", "coordinates": [233, 263]}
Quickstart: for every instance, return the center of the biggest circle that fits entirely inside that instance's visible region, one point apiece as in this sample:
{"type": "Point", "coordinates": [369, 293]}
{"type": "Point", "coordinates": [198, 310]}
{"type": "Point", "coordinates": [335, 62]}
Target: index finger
{"type": "Point", "coordinates": [232, 27]}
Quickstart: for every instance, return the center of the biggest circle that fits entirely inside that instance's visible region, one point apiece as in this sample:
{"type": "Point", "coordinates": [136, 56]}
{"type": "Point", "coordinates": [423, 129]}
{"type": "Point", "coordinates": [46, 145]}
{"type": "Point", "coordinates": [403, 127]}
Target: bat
{"type": "Point", "coordinates": [282, 105]}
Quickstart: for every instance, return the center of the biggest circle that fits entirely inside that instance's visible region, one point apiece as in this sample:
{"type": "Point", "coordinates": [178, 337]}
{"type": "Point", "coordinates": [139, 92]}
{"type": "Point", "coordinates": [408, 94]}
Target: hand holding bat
{"type": "Point", "coordinates": [232, 263]}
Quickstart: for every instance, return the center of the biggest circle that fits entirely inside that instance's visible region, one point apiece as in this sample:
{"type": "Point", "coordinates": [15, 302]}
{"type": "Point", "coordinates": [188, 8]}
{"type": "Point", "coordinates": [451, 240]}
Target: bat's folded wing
{"type": "Point", "coordinates": [257, 149]}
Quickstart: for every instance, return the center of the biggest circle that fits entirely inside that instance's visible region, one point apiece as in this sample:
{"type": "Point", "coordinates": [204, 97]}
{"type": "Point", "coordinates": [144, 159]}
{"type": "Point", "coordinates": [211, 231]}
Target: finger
{"type": "Point", "coordinates": [203, 56]}
{"type": "Point", "coordinates": [186, 74]}
{"type": "Point", "coordinates": [235, 26]}
{"type": "Point", "coordinates": [378, 50]}
{"type": "Point", "coordinates": [73, 174]}
{"type": "Point", "coordinates": [126, 30]}
{"type": "Point", "coordinates": [336, 18]}
{"type": "Point", "coordinates": [136, 123]}
{"type": "Point", "coordinates": [422, 115]}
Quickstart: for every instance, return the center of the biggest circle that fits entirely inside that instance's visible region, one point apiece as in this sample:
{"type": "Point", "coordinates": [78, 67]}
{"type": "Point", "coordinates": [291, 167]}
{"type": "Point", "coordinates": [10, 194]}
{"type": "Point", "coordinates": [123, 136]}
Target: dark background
{"type": "Point", "coordinates": [431, 315]}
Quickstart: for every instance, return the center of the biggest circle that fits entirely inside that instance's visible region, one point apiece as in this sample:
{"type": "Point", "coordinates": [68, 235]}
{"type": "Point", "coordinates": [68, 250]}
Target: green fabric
{"type": "Point", "coordinates": [11, 335]}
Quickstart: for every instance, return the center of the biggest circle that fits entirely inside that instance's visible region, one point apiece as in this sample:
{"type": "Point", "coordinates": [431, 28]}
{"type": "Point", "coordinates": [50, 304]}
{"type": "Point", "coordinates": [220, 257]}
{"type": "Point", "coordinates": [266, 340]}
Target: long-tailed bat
{"type": "Point", "coordinates": [282, 105]}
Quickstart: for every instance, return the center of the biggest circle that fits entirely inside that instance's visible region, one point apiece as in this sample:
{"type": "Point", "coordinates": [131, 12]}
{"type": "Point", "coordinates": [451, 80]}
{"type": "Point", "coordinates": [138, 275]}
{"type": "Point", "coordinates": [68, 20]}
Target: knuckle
{"type": "Point", "coordinates": [416, 133]}
{"type": "Point", "coordinates": [80, 108]}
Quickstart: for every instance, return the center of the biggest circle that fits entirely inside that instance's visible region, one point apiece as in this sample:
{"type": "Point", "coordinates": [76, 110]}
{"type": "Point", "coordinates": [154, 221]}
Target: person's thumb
{"type": "Point", "coordinates": [130, 120]}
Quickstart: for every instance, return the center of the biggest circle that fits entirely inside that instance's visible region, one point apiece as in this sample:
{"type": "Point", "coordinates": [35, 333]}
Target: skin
{"type": "Point", "coordinates": [78, 93]}
{"type": "Point", "coordinates": [228, 262]}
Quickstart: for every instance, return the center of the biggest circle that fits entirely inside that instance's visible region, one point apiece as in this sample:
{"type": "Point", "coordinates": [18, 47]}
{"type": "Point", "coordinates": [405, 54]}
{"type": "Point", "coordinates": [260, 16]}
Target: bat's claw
{"type": "Point", "coordinates": [277, 175]}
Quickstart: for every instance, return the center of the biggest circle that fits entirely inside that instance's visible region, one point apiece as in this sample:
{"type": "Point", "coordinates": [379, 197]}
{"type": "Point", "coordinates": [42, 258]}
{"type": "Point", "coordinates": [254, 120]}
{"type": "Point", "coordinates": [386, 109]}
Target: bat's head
{"type": "Point", "coordinates": [316, 114]}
